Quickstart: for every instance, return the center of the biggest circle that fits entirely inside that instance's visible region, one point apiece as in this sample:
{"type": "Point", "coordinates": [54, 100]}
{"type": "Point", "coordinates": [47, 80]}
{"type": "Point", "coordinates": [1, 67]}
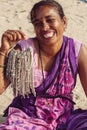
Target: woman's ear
{"type": "Point", "coordinates": [65, 22]}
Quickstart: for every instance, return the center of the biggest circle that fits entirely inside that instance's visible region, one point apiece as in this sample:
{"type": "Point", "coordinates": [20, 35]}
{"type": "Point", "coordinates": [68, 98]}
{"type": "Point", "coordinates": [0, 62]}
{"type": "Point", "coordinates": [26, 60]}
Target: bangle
{"type": "Point", "coordinates": [3, 54]}
{"type": "Point", "coordinates": [2, 66]}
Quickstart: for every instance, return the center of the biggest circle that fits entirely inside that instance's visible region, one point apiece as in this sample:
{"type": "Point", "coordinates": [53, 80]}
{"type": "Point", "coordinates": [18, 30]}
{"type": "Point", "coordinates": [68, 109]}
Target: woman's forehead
{"type": "Point", "coordinates": [45, 11]}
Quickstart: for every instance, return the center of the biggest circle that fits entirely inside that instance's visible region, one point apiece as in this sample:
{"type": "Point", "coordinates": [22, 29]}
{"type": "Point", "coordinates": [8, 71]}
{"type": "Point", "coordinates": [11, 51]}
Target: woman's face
{"type": "Point", "coordinates": [48, 25]}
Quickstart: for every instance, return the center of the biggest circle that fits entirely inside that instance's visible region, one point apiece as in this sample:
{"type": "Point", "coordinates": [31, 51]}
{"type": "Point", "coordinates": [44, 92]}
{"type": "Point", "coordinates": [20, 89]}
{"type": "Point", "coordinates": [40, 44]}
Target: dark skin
{"type": "Point", "coordinates": [47, 23]}
{"type": "Point", "coordinates": [8, 41]}
{"type": "Point", "coordinates": [82, 68]}
{"type": "Point", "coordinates": [49, 29]}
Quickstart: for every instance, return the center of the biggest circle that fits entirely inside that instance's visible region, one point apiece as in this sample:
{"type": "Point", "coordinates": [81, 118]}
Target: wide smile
{"type": "Point", "coordinates": [48, 35]}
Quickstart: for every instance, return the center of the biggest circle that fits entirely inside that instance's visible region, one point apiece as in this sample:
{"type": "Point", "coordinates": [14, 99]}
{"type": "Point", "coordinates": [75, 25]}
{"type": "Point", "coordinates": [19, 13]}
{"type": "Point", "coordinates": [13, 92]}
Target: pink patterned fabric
{"type": "Point", "coordinates": [50, 111]}
{"type": "Point", "coordinates": [18, 120]}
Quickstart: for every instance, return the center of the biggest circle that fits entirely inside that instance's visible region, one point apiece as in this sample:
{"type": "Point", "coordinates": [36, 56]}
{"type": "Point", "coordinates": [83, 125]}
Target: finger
{"type": "Point", "coordinates": [22, 34]}
{"type": "Point", "coordinates": [8, 39]}
{"type": "Point", "coordinates": [5, 44]}
{"type": "Point", "coordinates": [13, 34]}
{"type": "Point", "coordinates": [19, 35]}
{"type": "Point", "coordinates": [7, 36]}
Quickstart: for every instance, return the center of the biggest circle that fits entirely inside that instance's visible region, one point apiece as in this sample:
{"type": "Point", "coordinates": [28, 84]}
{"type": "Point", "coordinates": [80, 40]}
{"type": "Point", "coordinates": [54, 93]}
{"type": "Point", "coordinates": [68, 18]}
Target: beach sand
{"type": "Point", "coordinates": [13, 15]}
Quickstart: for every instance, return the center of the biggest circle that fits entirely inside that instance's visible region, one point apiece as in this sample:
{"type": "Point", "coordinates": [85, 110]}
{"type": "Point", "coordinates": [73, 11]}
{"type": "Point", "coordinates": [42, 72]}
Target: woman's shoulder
{"type": "Point", "coordinates": [75, 44]}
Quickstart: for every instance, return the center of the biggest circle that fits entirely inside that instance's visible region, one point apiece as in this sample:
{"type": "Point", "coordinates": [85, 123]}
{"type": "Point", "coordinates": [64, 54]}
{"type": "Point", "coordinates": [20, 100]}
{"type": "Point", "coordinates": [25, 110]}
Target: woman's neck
{"type": "Point", "coordinates": [47, 54]}
{"type": "Point", "coordinates": [50, 51]}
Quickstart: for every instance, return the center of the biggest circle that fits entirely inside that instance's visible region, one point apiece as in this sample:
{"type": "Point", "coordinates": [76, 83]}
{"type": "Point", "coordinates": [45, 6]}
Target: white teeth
{"type": "Point", "coordinates": [48, 35]}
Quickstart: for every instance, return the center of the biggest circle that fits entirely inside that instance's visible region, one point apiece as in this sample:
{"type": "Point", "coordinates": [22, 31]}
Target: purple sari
{"type": "Point", "coordinates": [75, 119]}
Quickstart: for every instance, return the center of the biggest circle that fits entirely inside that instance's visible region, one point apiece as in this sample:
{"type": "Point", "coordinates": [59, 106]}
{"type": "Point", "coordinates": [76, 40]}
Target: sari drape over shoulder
{"type": "Point", "coordinates": [53, 105]}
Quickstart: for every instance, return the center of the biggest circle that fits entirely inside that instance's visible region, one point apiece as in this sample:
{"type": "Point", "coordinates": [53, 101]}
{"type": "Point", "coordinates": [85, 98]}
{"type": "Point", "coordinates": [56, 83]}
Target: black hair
{"type": "Point", "coordinates": [51, 3]}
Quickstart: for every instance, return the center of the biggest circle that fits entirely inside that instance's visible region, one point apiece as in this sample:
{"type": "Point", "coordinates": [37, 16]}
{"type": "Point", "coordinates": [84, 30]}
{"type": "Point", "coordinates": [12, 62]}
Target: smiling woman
{"type": "Point", "coordinates": [42, 72]}
{"type": "Point", "coordinates": [49, 26]}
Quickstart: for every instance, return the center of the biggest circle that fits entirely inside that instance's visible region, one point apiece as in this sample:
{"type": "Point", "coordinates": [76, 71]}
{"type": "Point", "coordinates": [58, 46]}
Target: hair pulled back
{"type": "Point", "coordinates": [51, 3]}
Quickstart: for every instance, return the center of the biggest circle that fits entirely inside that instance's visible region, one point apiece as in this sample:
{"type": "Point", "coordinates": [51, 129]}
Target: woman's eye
{"type": "Point", "coordinates": [37, 24]}
{"type": "Point", "coordinates": [50, 20]}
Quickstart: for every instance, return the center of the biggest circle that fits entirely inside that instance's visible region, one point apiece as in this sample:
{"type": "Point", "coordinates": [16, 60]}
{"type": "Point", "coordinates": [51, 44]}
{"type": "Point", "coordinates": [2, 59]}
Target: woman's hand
{"type": "Point", "coordinates": [9, 39]}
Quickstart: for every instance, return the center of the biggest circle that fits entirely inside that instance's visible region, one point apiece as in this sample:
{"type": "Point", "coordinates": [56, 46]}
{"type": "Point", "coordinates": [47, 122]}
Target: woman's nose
{"type": "Point", "coordinates": [45, 26]}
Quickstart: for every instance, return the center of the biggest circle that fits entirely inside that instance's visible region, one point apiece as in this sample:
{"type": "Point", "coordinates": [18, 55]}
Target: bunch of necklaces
{"type": "Point", "coordinates": [20, 72]}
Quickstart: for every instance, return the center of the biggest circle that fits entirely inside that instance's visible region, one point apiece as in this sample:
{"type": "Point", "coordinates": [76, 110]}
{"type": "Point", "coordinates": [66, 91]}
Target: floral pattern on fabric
{"type": "Point", "coordinates": [52, 111]}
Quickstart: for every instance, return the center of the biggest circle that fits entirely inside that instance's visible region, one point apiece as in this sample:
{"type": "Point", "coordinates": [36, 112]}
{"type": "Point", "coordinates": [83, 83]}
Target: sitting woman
{"type": "Point", "coordinates": [42, 71]}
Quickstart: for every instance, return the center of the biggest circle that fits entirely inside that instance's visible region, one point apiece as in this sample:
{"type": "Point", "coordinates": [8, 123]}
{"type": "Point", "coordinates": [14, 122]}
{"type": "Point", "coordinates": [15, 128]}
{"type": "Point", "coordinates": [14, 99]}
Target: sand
{"type": "Point", "coordinates": [13, 15]}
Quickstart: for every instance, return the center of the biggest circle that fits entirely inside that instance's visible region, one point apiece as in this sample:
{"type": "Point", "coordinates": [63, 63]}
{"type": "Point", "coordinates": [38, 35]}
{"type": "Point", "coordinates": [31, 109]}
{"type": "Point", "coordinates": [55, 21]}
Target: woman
{"type": "Point", "coordinates": [56, 61]}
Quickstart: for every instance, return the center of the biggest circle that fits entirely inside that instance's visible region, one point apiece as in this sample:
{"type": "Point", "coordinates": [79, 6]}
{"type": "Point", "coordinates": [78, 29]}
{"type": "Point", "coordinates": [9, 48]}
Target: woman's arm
{"type": "Point", "coordinates": [9, 39]}
{"type": "Point", "coordinates": [3, 80]}
{"type": "Point", "coordinates": [82, 68]}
